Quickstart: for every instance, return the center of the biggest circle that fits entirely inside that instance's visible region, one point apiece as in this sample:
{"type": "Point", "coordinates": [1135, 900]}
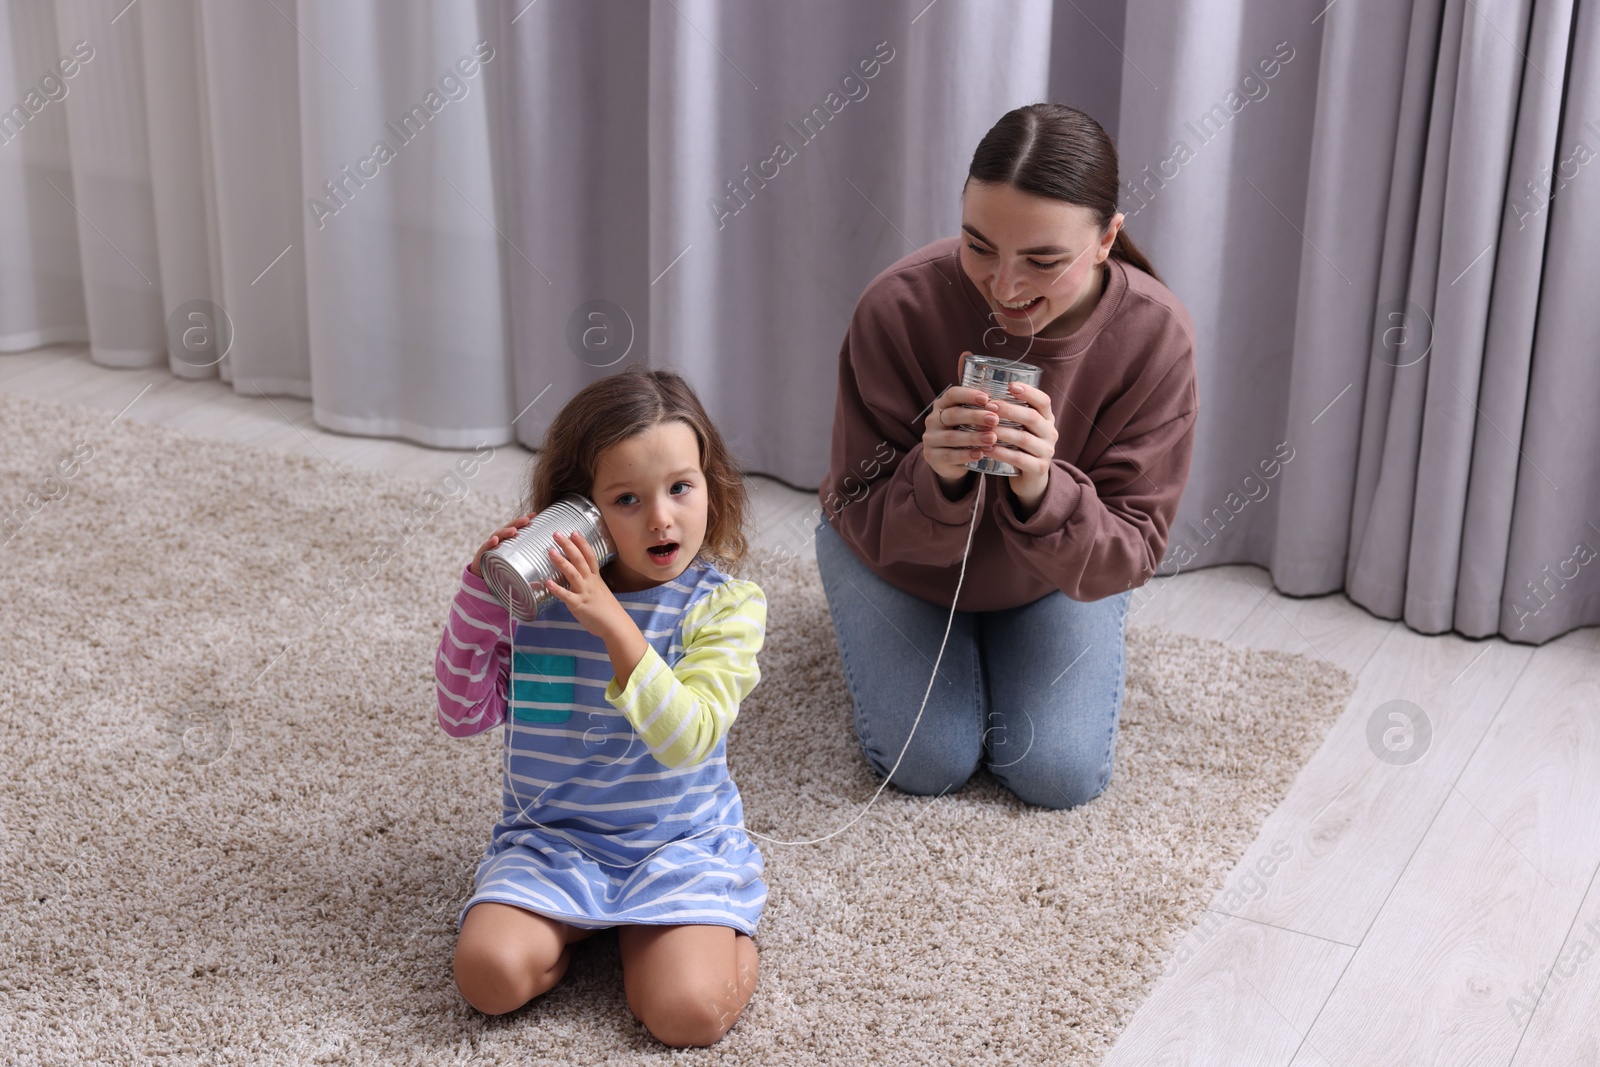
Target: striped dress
{"type": "Point", "coordinates": [617, 804]}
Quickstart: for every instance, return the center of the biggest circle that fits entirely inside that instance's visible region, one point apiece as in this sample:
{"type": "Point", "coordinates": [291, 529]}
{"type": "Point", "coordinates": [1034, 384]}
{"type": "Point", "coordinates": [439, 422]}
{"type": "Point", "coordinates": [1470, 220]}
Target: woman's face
{"type": "Point", "coordinates": [1019, 248]}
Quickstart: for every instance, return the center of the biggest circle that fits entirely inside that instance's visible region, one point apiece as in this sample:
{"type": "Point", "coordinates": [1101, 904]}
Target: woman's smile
{"type": "Point", "coordinates": [1020, 313]}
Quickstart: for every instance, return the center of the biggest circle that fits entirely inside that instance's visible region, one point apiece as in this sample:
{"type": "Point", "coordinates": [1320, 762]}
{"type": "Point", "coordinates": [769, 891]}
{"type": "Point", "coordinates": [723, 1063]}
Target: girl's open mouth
{"type": "Point", "coordinates": [664, 555]}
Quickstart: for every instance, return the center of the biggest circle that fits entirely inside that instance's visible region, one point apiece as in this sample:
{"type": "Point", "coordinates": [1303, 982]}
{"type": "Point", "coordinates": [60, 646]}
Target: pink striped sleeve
{"type": "Point", "coordinates": [472, 668]}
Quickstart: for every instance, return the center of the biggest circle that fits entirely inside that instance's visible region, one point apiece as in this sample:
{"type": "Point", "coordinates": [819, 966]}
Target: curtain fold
{"type": "Point", "coordinates": [256, 257]}
{"type": "Point", "coordinates": [41, 273]}
{"type": "Point", "coordinates": [574, 177]}
{"type": "Point", "coordinates": [1360, 121]}
{"type": "Point", "coordinates": [1216, 162]}
{"type": "Point", "coordinates": [173, 88]}
{"type": "Point", "coordinates": [405, 307]}
{"type": "Point", "coordinates": [109, 187]}
{"type": "Point", "coordinates": [1446, 469]}
{"type": "Point", "coordinates": [1508, 354]}
{"type": "Point", "coordinates": [438, 220]}
{"type": "Point", "coordinates": [1551, 579]}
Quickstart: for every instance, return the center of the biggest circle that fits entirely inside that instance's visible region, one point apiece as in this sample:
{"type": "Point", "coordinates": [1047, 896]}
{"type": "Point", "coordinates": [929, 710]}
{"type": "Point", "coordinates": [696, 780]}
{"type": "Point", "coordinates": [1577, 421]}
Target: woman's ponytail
{"type": "Point", "coordinates": [1124, 249]}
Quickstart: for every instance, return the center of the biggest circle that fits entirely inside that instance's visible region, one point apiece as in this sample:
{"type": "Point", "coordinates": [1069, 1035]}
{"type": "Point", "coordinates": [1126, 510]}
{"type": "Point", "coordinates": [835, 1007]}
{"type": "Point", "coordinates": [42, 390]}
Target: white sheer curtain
{"type": "Point", "coordinates": [547, 219]}
{"type": "Point", "coordinates": [187, 162]}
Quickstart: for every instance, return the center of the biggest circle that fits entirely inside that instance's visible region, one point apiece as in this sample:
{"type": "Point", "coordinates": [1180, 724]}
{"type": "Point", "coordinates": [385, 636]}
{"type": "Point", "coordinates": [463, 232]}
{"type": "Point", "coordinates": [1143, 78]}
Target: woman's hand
{"type": "Point", "coordinates": [1030, 446]}
{"type": "Point", "coordinates": [505, 533]}
{"type": "Point", "coordinates": [954, 434]}
{"type": "Point", "coordinates": [591, 601]}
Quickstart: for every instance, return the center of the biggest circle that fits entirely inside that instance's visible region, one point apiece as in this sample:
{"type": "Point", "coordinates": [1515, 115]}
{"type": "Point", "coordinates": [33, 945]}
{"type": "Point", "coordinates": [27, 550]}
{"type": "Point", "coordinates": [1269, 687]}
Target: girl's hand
{"type": "Point", "coordinates": [505, 533]}
{"type": "Point", "coordinates": [591, 601]}
{"type": "Point", "coordinates": [1029, 447]}
{"type": "Point", "coordinates": [954, 434]}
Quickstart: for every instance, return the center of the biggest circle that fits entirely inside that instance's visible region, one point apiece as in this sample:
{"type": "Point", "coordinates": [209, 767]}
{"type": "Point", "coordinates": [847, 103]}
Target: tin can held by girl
{"type": "Point", "coordinates": [994, 375]}
{"type": "Point", "coordinates": [516, 570]}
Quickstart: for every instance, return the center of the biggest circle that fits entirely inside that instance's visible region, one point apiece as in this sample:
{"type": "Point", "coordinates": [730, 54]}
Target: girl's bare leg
{"type": "Point", "coordinates": [506, 956]}
{"type": "Point", "coordinates": [687, 984]}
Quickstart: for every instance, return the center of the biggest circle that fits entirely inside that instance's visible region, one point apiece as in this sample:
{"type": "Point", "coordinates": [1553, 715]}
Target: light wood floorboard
{"type": "Point", "coordinates": [1493, 890]}
{"type": "Point", "coordinates": [1352, 819]}
{"type": "Point", "coordinates": [1235, 994]}
{"type": "Point", "coordinates": [1564, 998]}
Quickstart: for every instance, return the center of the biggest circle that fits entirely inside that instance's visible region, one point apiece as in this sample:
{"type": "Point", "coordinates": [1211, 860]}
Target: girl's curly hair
{"type": "Point", "coordinates": [623, 405]}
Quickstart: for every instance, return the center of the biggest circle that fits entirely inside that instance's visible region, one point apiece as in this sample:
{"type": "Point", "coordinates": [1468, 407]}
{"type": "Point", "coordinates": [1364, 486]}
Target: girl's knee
{"type": "Point", "coordinates": [490, 982]}
{"type": "Point", "coordinates": [497, 977]}
{"type": "Point", "coordinates": [685, 1017]}
{"type": "Point", "coordinates": [693, 1005]}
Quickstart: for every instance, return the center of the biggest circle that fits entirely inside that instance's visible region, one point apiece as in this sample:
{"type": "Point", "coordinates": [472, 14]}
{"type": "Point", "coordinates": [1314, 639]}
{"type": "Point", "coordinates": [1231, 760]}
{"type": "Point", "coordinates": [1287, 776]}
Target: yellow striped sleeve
{"type": "Point", "coordinates": [682, 712]}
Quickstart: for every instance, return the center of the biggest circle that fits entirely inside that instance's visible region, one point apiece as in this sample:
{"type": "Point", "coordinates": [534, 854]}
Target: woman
{"type": "Point", "coordinates": [1032, 678]}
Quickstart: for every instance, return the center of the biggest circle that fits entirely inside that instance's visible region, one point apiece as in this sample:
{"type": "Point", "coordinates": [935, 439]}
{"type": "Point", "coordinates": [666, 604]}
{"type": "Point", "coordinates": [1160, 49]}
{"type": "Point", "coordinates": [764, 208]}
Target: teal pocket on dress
{"type": "Point", "coordinates": [541, 686]}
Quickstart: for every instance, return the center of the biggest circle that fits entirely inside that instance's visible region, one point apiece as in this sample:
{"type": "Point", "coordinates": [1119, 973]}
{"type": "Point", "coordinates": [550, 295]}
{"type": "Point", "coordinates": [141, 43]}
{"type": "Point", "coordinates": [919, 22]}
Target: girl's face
{"type": "Point", "coordinates": [1019, 248]}
{"type": "Point", "coordinates": [651, 491]}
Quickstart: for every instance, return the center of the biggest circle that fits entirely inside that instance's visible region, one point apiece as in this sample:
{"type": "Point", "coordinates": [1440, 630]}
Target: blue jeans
{"type": "Point", "coordinates": [1032, 692]}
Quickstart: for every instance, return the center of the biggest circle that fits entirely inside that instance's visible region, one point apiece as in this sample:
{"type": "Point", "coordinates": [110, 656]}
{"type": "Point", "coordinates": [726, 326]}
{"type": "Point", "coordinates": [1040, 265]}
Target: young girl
{"type": "Point", "coordinates": [618, 808]}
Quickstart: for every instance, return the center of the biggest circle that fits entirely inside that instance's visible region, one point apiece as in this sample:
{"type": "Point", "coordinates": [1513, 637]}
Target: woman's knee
{"type": "Point", "coordinates": [935, 774]}
{"type": "Point", "coordinates": [1056, 783]}
{"type": "Point", "coordinates": [927, 769]}
{"type": "Point", "coordinates": [928, 752]}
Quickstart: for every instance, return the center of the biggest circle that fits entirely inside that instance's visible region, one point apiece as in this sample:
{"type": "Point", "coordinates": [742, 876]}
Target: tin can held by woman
{"type": "Point", "coordinates": [516, 570]}
{"type": "Point", "coordinates": [994, 375]}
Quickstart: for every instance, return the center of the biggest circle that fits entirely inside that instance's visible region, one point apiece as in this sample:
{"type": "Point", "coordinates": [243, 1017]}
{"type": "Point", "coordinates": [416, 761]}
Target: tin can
{"type": "Point", "coordinates": [994, 375]}
{"type": "Point", "coordinates": [516, 570]}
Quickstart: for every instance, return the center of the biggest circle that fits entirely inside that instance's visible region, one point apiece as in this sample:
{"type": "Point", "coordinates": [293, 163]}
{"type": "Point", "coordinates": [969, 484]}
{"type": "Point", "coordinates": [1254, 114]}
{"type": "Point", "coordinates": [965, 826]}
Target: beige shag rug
{"type": "Point", "coordinates": [233, 833]}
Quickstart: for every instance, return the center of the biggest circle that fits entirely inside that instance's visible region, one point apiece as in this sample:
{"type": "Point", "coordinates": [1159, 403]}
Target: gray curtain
{"type": "Point", "coordinates": [1381, 215]}
{"type": "Point", "coordinates": [1389, 249]}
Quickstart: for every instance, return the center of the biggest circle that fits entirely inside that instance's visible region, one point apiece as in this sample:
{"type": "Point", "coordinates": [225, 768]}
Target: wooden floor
{"type": "Point", "coordinates": [1440, 911]}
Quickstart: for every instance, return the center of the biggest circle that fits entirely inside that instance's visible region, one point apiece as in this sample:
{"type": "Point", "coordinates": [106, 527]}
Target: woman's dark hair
{"type": "Point", "coordinates": [1060, 152]}
{"type": "Point", "coordinates": [623, 405]}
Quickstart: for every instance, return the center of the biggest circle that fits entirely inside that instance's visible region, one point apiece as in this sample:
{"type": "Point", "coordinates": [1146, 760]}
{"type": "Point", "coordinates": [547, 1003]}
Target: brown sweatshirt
{"type": "Point", "coordinates": [1122, 389]}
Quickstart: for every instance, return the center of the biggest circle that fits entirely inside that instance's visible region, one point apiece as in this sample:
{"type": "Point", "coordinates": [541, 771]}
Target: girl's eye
{"type": "Point", "coordinates": [1031, 262]}
{"type": "Point", "coordinates": [686, 486]}
{"type": "Point", "coordinates": [625, 499]}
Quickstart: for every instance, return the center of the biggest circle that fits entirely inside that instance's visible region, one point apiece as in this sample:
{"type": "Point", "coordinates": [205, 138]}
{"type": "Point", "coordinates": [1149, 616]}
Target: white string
{"type": "Point", "coordinates": [977, 497]}
{"type": "Point", "coordinates": [510, 727]}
